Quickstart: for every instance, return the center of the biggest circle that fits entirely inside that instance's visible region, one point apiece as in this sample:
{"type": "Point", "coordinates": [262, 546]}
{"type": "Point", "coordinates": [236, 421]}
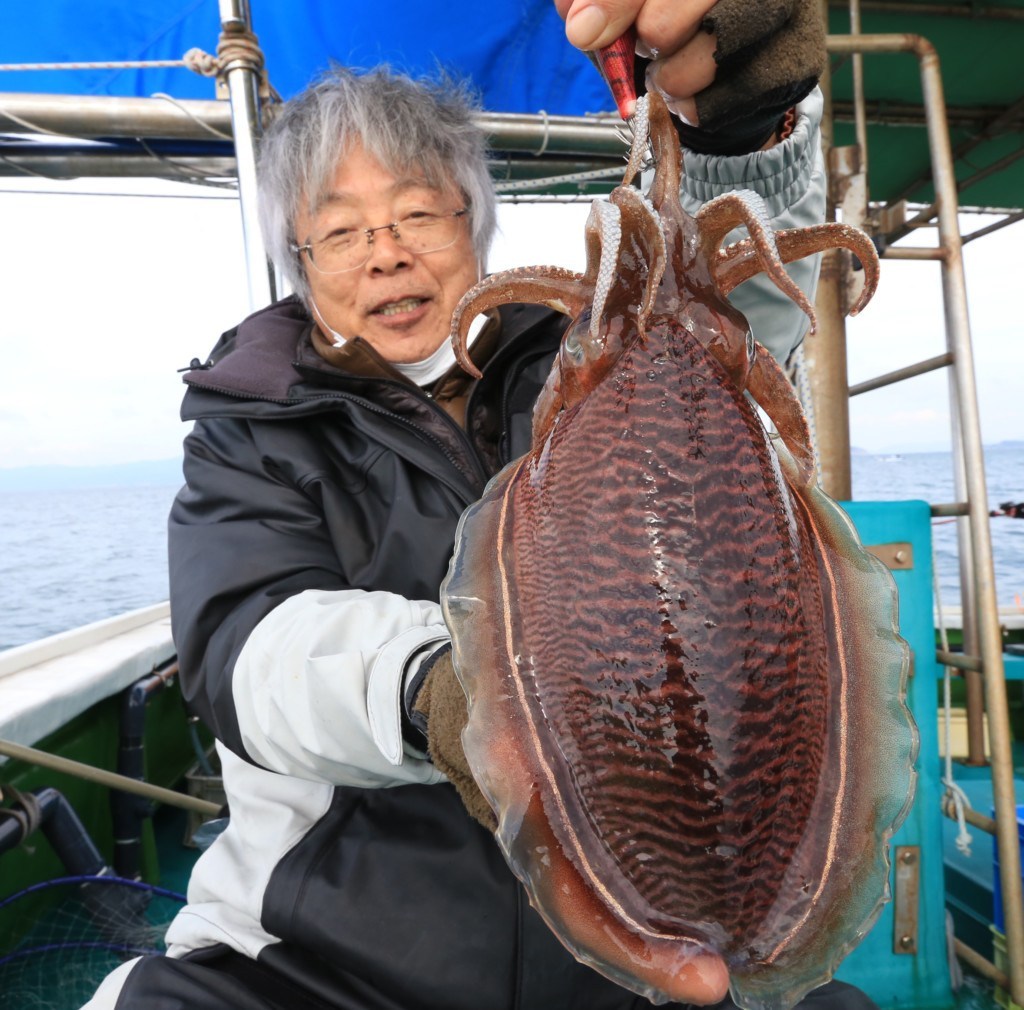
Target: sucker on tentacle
{"type": "Point", "coordinates": [560, 289]}
{"type": "Point", "coordinates": [737, 263]}
{"type": "Point", "coordinates": [640, 146]}
{"type": "Point", "coordinates": [609, 223]}
{"type": "Point", "coordinates": [745, 207]}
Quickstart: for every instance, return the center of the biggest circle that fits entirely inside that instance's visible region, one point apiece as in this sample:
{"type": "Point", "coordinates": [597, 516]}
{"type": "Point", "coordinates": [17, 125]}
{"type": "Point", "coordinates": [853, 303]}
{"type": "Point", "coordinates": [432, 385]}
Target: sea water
{"type": "Point", "coordinates": [929, 476]}
{"type": "Point", "coordinates": [69, 557]}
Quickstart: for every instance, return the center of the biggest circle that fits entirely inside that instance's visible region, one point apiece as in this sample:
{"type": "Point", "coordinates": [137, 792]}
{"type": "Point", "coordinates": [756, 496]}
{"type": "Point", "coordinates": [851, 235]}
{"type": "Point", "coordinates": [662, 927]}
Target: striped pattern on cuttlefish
{"type": "Point", "coordinates": [685, 682]}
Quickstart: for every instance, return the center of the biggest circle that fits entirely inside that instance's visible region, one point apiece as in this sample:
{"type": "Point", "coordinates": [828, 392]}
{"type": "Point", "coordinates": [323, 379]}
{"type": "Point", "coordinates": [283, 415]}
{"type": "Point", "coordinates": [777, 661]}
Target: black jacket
{"type": "Point", "coordinates": [313, 471]}
{"type": "Point", "coordinates": [301, 477]}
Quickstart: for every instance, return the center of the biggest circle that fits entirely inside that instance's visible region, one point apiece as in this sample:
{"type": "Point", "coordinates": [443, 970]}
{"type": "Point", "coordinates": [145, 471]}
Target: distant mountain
{"type": "Point", "coordinates": [150, 473]}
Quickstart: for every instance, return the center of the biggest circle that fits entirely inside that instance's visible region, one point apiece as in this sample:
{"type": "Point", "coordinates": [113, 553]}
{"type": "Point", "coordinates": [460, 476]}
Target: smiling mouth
{"type": "Point", "coordinates": [396, 308]}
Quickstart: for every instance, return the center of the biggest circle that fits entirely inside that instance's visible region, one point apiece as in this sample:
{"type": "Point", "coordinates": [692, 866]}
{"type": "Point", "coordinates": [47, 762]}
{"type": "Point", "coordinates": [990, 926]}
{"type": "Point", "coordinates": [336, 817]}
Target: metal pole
{"type": "Point", "coordinates": [902, 374]}
{"type": "Point", "coordinates": [54, 762]}
{"type": "Point", "coordinates": [242, 84]}
{"type": "Point", "coordinates": [958, 336]}
{"type": "Point", "coordinates": [825, 349]}
{"type": "Point", "coordinates": [859, 114]}
{"type": "Point", "coordinates": [115, 166]}
{"type": "Point", "coordinates": [963, 10]}
{"type": "Point", "coordinates": [973, 680]}
{"type": "Point", "coordinates": [825, 355]}
{"type": "Point", "coordinates": [87, 116]}
{"type": "Point", "coordinates": [106, 116]}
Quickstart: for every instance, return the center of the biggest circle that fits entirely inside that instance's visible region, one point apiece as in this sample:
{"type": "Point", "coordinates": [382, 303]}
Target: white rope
{"type": "Point", "coordinates": [195, 119]}
{"type": "Point", "coordinates": [547, 134]}
{"type": "Point", "coordinates": [119, 65]}
{"type": "Point", "coordinates": [34, 127]}
{"type": "Point", "coordinates": [508, 185]}
{"type": "Point", "coordinates": [25, 170]}
{"type": "Point", "coordinates": [954, 793]}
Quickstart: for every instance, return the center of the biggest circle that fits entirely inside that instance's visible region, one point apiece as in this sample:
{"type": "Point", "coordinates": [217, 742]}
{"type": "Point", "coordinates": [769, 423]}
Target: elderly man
{"type": "Point", "coordinates": [335, 444]}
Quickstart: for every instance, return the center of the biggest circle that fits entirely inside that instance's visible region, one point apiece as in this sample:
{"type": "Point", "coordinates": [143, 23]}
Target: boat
{"type": "Point", "coordinates": [91, 720]}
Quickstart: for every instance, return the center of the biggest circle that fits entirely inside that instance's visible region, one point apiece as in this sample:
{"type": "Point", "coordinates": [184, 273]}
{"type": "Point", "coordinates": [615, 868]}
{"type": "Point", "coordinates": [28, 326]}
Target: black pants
{"type": "Point", "coordinates": [218, 978]}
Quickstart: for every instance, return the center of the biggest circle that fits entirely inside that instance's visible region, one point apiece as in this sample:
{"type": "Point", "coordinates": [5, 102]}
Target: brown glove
{"type": "Point", "coordinates": [770, 54]}
{"type": "Point", "coordinates": [439, 711]}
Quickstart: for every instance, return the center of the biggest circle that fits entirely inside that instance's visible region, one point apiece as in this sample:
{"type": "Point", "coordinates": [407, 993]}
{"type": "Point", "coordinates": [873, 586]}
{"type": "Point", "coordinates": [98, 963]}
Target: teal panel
{"type": "Point", "coordinates": [919, 980]}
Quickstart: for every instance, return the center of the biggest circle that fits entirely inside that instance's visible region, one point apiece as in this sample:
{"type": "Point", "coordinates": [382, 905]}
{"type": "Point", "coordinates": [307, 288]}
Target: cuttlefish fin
{"type": "Point", "coordinates": [558, 288]}
{"type": "Point", "coordinates": [740, 261]}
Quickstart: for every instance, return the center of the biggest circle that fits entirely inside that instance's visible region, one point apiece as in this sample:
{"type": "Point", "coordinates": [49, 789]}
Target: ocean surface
{"type": "Point", "coordinates": [75, 555]}
{"type": "Point", "coordinates": [72, 556]}
{"type": "Point", "coordinates": [929, 476]}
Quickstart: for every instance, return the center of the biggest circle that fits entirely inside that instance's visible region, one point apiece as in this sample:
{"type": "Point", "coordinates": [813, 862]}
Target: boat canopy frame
{"type": "Point", "coordinates": [571, 157]}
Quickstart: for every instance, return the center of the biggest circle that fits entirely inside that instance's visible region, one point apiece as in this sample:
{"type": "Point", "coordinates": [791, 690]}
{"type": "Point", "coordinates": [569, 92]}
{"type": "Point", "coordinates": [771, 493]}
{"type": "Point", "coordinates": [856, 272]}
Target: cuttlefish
{"type": "Point", "coordinates": [685, 684]}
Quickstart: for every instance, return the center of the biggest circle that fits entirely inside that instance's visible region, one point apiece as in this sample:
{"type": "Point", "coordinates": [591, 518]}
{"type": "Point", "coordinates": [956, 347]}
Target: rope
{"type": "Point", "coordinates": [191, 115]}
{"type": "Point", "coordinates": [954, 793]}
{"type": "Point", "coordinates": [35, 128]}
{"type": "Point", "coordinates": [116, 65]}
{"type": "Point", "coordinates": [190, 172]}
{"type": "Point", "coordinates": [239, 46]}
{"type": "Point", "coordinates": [547, 135]}
{"type": "Point", "coordinates": [510, 185]}
{"type": "Point", "coordinates": [25, 170]}
{"type": "Point", "coordinates": [29, 817]}
{"type": "Point", "coordinates": [201, 63]}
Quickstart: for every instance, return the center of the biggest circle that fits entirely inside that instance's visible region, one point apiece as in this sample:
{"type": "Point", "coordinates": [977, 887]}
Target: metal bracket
{"type": "Point", "coordinates": [905, 898]}
{"type": "Point", "coordinates": [895, 556]}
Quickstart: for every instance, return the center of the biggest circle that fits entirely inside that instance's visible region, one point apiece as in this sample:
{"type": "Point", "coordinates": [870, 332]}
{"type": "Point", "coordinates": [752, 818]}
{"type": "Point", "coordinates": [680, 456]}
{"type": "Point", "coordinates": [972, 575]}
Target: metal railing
{"type": "Point", "coordinates": [982, 665]}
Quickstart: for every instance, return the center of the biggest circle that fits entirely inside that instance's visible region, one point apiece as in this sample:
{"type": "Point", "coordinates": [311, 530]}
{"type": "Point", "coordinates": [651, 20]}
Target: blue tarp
{"type": "Point", "coordinates": [514, 51]}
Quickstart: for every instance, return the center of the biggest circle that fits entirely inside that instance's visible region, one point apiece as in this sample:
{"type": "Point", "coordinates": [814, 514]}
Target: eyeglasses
{"type": "Point", "coordinates": [418, 233]}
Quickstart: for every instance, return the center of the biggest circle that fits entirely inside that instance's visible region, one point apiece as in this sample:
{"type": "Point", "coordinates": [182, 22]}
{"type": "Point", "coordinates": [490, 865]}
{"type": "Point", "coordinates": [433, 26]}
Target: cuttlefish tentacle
{"type": "Point", "coordinates": [771, 389]}
{"type": "Point", "coordinates": [639, 145]}
{"type": "Point", "coordinates": [719, 216]}
{"type": "Point", "coordinates": [642, 248]}
{"type": "Point", "coordinates": [563, 290]}
{"type": "Point", "coordinates": [624, 232]}
{"type": "Point", "coordinates": [738, 262]}
{"type": "Point", "coordinates": [653, 129]}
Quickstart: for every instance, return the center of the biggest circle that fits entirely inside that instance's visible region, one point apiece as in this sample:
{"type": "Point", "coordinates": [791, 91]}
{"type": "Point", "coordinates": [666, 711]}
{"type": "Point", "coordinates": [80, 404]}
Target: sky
{"type": "Point", "coordinates": [106, 295]}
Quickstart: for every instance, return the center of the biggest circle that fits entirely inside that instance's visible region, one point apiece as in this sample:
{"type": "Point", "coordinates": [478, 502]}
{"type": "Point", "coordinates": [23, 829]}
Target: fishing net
{"type": "Point", "coordinates": [60, 938]}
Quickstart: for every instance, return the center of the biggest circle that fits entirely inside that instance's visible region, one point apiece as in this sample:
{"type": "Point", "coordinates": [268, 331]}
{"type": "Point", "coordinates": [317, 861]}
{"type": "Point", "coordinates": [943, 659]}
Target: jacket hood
{"type": "Point", "coordinates": [257, 358]}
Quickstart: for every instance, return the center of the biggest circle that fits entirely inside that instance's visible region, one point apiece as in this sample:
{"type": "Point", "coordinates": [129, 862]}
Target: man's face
{"type": "Point", "coordinates": [399, 302]}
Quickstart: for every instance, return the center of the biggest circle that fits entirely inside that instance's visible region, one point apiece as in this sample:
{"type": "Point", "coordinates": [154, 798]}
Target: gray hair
{"type": "Point", "coordinates": [427, 125]}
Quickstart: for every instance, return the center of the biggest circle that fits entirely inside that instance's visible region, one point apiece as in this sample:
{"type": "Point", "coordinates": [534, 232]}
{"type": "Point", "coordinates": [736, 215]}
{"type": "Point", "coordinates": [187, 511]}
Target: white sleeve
{"type": "Point", "coordinates": [791, 179]}
{"type": "Point", "coordinates": [318, 686]}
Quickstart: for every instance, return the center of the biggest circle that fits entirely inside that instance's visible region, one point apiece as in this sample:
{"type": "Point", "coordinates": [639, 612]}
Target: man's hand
{"type": "Point", "coordinates": [668, 32]}
{"type": "Point", "coordinates": [731, 67]}
{"type": "Point", "coordinates": [439, 713]}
